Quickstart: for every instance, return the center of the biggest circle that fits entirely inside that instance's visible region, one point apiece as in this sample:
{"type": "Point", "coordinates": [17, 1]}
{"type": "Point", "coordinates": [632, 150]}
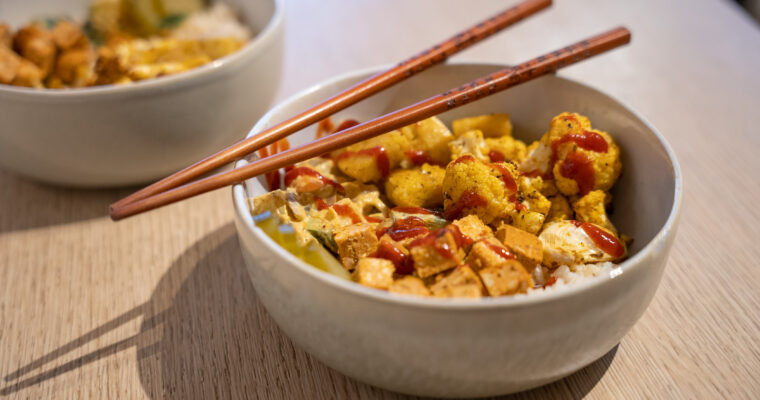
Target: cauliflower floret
{"type": "Point", "coordinates": [430, 139]}
{"type": "Point", "coordinates": [567, 243]}
{"type": "Point", "coordinates": [372, 159]}
{"type": "Point", "coordinates": [563, 124]}
{"type": "Point", "coordinates": [560, 209]}
{"type": "Point", "coordinates": [492, 125]}
{"type": "Point", "coordinates": [537, 160]}
{"type": "Point", "coordinates": [473, 187]}
{"type": "Point", "coordinates": [417, 187]}
{"type": "Point", "coordinates": [578, 170]}
{"type": "Point", "coordinates": [590, 208]}
{"type": "Point", "coordinates": [470, 142]}
{"type": "Point", "coordinates": [505, 148]}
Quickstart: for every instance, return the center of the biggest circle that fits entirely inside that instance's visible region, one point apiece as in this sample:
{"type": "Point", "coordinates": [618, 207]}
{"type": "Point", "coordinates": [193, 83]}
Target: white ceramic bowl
{"type": "Point", "coordinates": [121, 135]}
{"type": "Point", "coordinates": [457, 348]}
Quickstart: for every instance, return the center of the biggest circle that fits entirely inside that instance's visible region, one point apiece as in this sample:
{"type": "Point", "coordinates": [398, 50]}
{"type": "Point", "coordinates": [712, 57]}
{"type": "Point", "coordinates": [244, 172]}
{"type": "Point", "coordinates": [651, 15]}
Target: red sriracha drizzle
{"type": "Point", "coordinates": [298, 171]}
{"type": "Point", "coordinates": [418, 157]}
{"type": "Point", "coordinates": [344, 210]}
{"type": "Point", "coordinates": [443, 249]}
{"type": "Point", "coordinates": [587, 140]}
{"type": "Point", "coordinates": [500, 251]}
{"type": "Point", "coordinates": [380, 155]}
{"type": "Point", "coordinates": [405, 228]}
{"type": "Point", "coordinates": [496, 156]}
{"type": "Point", "coordinates": [468, 199]}
{"type": "Point", "coordinates": [510, 184]}
{"type": "Point", "coordinates": [389, 251]}
{"type": "Point", "coordinates": [605, 240]}
{"type": "Point", "coordinates": [412, 210]}
{"type": "Point", "coordinates": [349, 123]}
{"type": "Point", "coordinates": [464, 158]}
{"type": "Point", "coordinates": [578, 167]}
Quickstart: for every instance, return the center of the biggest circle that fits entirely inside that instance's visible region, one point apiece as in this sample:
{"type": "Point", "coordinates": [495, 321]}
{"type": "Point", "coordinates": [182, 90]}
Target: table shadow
{"type": "Point", "coordinates": [206, 335]}
{"type": "Point", "coordinates": [27, 204]}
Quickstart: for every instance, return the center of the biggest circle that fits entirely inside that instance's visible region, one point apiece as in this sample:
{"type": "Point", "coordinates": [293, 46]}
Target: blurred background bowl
{"type": "Point", "coordinates": [459, 347]}
{"type": "Point", "coordinates": [124, 135]}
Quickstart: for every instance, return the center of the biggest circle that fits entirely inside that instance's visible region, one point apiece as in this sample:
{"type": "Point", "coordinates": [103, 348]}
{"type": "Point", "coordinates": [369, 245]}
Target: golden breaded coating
{"type": "Point", "coordinates": [461, 282]}
{"type": "Point", "coordinates": [361, 162]}
{"type": "Point", "coordinates": [472, 228]}
{"type": "Point", "coordinates": [10, 62]}
{"type": "Point", "coordinates": [67, 35]}
{"type": "Point", "coordinates": [508, 277]}
{"type": "Point", "coordinates": [73, 67]}
{"type": "Point", "coordinates": [525, 246]}
{"type": "Point", "coordinates": [409, 285]}
{"type": "Point", "coordinates": [354, 242]}
{"type": "Point", "coordinates": [505, 148]}
{"type": "Point", "coordinates": [470, 142]}
{"type": "Point", "coordinates": [560, 209]}
{"type": "Point", "coordinates": [416, 187]}
{"type": "Point", "coordinates": [590, 208]}
{"type": "Point", "coordinates": [563, 124]}
{"type": "Point", "coordinates": [374, 272]}
{"type": "Point", "coordinates": [428, 257]}
{"type": "Point", "coordinates": [37, 46]}
{"type": "Point", "coordinates": [6, 36]}
{"type": "Point", "coordinates": [430, 139]}
{"type": "Point", "coordinates": [492, 125]}
{"type": "Point", "coordinates": [28, 75]}
{"type": "Point", "coordinates": [574, 163]}
{"type": "Point", "coordinates": [473, 187]}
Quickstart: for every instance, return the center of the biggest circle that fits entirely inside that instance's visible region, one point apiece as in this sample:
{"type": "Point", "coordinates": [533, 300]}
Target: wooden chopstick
{"type": "Point", "coordinates": [453, 98]}
{"type": "Point", "coordinates": [360, 91]}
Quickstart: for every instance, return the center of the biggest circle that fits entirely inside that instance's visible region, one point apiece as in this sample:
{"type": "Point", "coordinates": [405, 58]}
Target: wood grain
{"type": "Point", "coordinates": [159, 306]}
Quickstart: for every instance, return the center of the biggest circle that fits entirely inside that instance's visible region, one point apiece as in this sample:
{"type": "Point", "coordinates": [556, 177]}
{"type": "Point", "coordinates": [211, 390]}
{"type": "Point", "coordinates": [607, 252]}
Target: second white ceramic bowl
{"type": "Point", "coordinates": [122, 135]}
{"type": "Point", "coordinates": [464, 348]}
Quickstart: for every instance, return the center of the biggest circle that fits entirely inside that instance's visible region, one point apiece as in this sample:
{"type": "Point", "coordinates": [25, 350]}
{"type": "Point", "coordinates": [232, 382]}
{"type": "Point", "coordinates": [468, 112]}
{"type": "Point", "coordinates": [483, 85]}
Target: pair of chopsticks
{"type": "Point", "coordinates": [176, 187]}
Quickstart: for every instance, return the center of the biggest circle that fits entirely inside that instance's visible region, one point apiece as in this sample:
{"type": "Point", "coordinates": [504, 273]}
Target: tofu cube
{"type": "Point", "coordinates": [526, 246]}
{"type": "Point", "coordinates": [409, 285]}
{"type": "Point", "coordinates": [473, 228]}
{"type": "Point", "coordinates": [508, 277]}
{"type": "Point", "coordinates": [354, 242]}
{"type": "Point", "coordinates": [438, 255]}
{"type": "Point", "coordinates": [374, 272]}
{"type": "Point", "coordinates": [461, 282]}
{"type": "Point", "coordinates": [488, 253]}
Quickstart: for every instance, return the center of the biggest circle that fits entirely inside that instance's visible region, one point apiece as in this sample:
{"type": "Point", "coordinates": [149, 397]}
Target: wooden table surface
{"type": "Point", "coordinates": [161, 305]}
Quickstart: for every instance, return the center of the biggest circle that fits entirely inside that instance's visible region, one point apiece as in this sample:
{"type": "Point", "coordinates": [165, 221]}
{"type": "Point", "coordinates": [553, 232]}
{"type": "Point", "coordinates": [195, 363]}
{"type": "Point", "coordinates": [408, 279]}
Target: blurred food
{"type": "Point", "coordinates": [467, 212]}
{"type": "Point", "coordinates": [121, 41]}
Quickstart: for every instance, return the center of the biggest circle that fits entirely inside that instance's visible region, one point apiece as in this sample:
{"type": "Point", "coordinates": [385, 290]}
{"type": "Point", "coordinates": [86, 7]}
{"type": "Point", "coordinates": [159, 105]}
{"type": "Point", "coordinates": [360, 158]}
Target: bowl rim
{"type": "Point", "coordinates": [241, 204]}
{"type": "Point", "coordinates": [199, 74]}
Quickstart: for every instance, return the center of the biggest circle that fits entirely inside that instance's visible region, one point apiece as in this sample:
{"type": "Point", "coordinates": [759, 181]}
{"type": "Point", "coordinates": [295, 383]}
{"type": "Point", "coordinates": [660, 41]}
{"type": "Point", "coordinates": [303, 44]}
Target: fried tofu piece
{"type": "Point", "coordinates": [409, 285]}
{"type": "Point", "coordinates": [526, 246]}
{"type": "Point", "coordinates": [461, 282]}
{"type": "Point", "coordinates": [472, 143]}
{"type": "Point", "coordinates": [10, 62]}
{"type": "Point", "coordinates": [354, 242]}
{"type": "Point", "coordinates": [473, 187]}
{"type": "Point", "coordinates": [37, 46]}
{"type": "Point", "coordinates": [366, 163]}
{"type": "Point", "coordinates": [73, 67]}
{"type": "Point", "coordinates": [492, 125]}
{"type": "Point", "coordinates": [428, 257]}
{"type": "Point", "coordinates": [560, 209]}
{"type": "Point", "coordinates": [430, 137]}
{"type": "Point", "coordinates": [506, 278]}
{"type": "Point", "coordinates": [590, 208]}
{"type": "Point", "coordinates": [487, 253]}
{"type": "Point", "coordinates": [28, 75]}
{"type": "Point", "coordinates": [472, 228]}
{"type": "Point", "coordinates": [505, 148]}
{"type": "Point", "coordinates": [6, 36]}
{"type": "Point", "coordinates": [374, 272]}
{"type": "Point", "coordinates": [67, 35]}
{"type": "Point", "coordinates": [416, 187]}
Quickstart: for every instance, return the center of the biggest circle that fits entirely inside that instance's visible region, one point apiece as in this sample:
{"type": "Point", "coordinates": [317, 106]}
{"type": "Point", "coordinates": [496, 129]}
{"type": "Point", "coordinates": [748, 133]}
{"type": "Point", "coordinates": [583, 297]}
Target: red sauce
{"type": "Point", "coordinates": [464, 158]}
{"type": "Point", "coordinates": [587, 140]}
{"type": "Point", "coordinates": [442, 247]}
{"type": "Point", "coordinates": [349, 123]}
{"type": "Point", "coordinates": [468, 199]}
{"type": "Point", "coordinates": [552, 280]}
{"type": "Point", "coordinates": [373, 219]}
{"type": "Point", "coordinates": [321, 205]}
{"type": "Point", "coordinates": [518, 206]}
{"type": "Point", "coordinates": [389, 251]}
{"type": "Point", "coordinates": [500, 251]}
{"type": "Point", "coordinates": [344, 210]}
{"type": "Point", "coordinates": [578, 167]}
{"type": "Point", "coordinates": [506, 177]}
{"type": "Point", "coordinates": [324, 128]}
{"type": "Point", "coordinates": [407, 228]}
{"type": "Point", "coordinates": [412, 210]}
{"type": "Point", "coordinates": [380, 155]}
{"type": "Point", "coordinates": [459, 237]}
{"type": "Point", "coordinates": [496, 156]}
{"type": "Point", "coordinates": [273, 179]}
{"type": "Point", "coordinates": [296, 172]}
{"type": "Point", "coordinates": [418, 157]}
{"type": "Point", "coordinates": [605, 240]}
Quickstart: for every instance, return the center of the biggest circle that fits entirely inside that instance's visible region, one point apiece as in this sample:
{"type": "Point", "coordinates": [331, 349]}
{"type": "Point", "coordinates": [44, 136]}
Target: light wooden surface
{"type": "Point", "coordinates": [161, 306]}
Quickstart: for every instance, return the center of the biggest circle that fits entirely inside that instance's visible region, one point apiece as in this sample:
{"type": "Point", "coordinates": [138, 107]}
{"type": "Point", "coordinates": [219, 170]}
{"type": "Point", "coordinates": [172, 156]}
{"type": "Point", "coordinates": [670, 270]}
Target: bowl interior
{"type": "Point", "coordinates": [643, 198]}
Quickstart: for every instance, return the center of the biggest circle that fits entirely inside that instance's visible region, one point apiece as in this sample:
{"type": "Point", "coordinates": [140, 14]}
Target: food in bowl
{"type": "Point", "coordinates": [121, 41]}
{"type": "Point", "coordinates": [469, 211]}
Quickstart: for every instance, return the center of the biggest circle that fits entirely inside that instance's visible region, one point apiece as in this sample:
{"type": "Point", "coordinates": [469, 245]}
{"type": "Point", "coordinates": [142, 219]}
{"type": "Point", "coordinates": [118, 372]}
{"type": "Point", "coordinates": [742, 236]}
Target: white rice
{"type": "Point", "coordinates": [571, 275]}
{"type": "Point", "coordinates": [218, 21]}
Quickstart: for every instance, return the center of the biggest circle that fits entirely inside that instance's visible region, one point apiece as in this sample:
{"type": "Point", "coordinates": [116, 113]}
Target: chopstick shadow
{"type": "Point", "coordinates": [206, 335]}
{"type": "Point", "coordinates": [27, 204]}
